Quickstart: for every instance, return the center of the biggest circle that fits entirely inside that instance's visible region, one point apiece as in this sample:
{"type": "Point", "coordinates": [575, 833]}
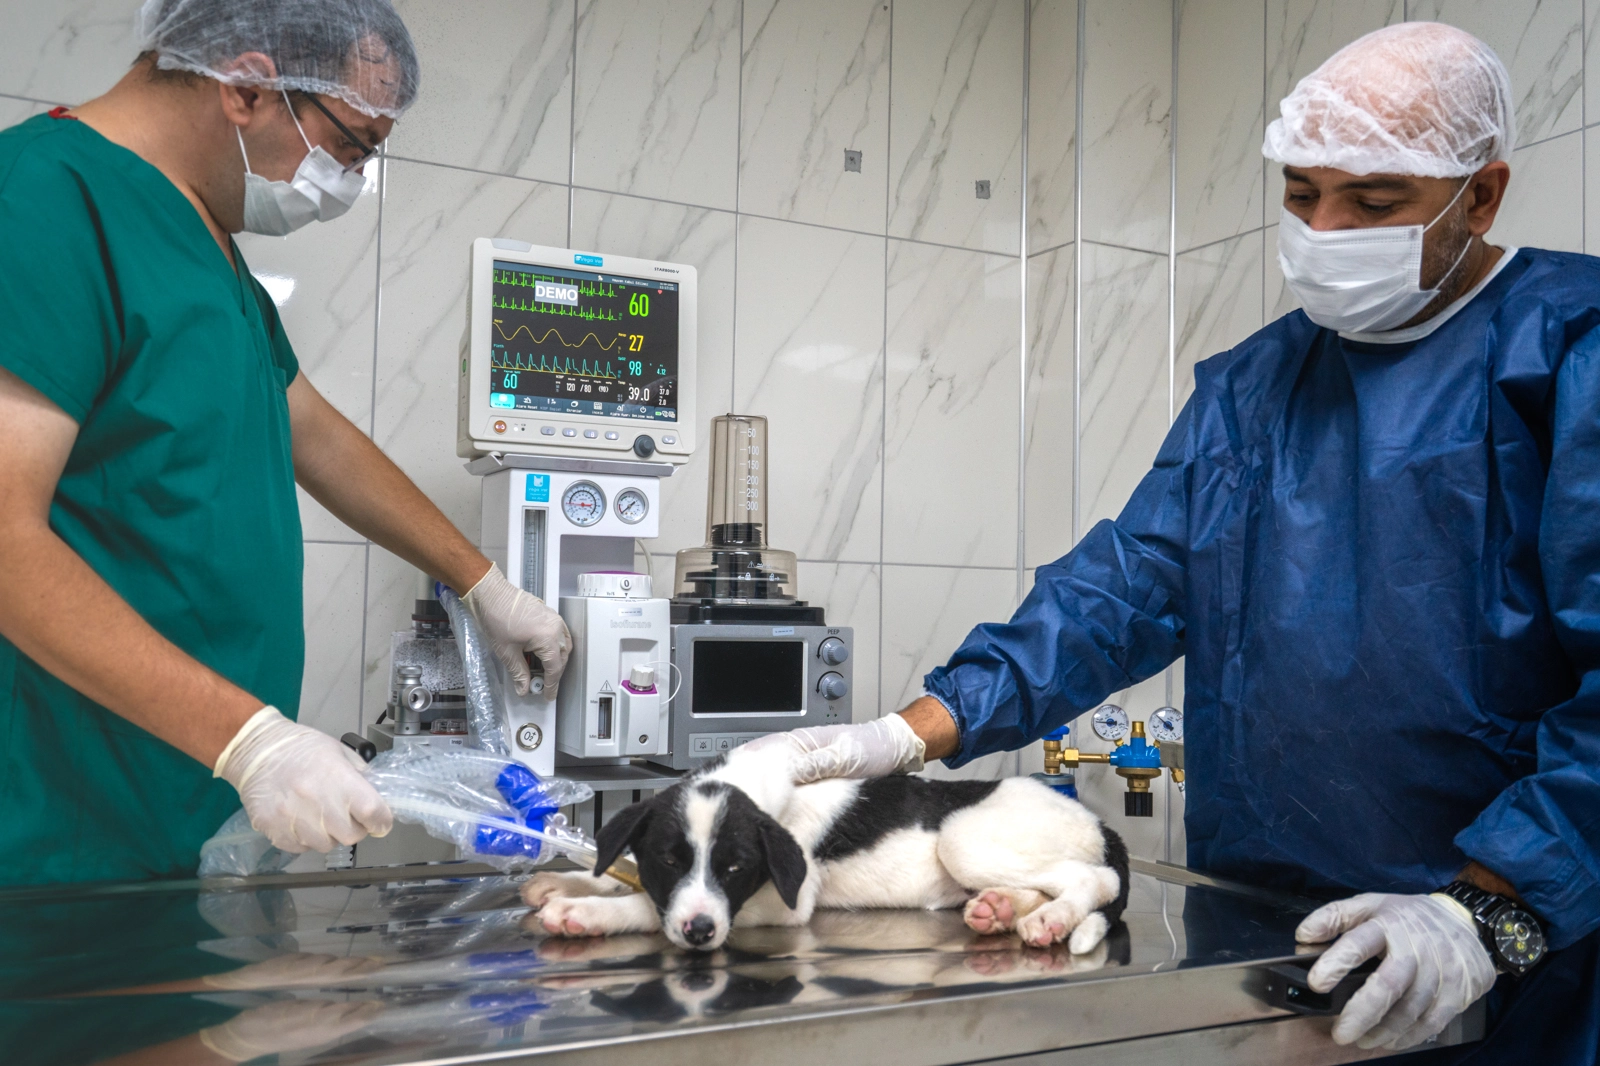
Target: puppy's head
{"type": "Point", "coordinates": [703, 849]}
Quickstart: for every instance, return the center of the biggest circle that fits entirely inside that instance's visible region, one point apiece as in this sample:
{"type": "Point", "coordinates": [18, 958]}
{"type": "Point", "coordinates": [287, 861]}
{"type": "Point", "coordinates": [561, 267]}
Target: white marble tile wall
{"type": "Point", "coordinates": [873, 315]}
{"type": "Point", "coordinates": [713, 132]}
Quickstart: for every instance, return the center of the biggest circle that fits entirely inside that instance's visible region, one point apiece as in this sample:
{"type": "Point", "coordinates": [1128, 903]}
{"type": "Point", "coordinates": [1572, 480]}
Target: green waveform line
{"type": "Point", "coordinates": [564, 342]}
{"type": "Point", "coordinates": [525, 279]}
{"type": "Point", "coordinates": [524, 368]}
{"type": "Point", "coordinates": [588, 314]}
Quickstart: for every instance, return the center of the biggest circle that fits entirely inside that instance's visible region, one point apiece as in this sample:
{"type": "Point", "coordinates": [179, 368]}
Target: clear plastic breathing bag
{"type": "Point", "coordinates": [237, 850]}
{"type": "Point", "coordinates": [493, 809]}
{"type": "Point", "coordinates": [485, 688]}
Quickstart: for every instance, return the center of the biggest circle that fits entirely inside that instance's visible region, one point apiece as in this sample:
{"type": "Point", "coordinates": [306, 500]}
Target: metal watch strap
{"type": "Point", "coordinates": [1483, 905]}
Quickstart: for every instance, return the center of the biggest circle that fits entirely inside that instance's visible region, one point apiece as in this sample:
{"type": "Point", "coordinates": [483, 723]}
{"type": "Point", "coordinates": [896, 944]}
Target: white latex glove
{"type": "Point", "coordinates": [298, 970]}
{"type": "Point", "coordinates": [516, 622]}
{"type": "Point", "coordinates": [292, 1025]}
{"type": "Point", "coordinates": [303, 789]}
{"type": "Point", "coordinates": [877, 748]}
{"type": "Point", "coordinates": [1434, 965]}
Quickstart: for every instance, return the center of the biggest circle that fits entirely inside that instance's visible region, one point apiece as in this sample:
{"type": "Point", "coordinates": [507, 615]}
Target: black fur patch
{"type": "Point", "coordinates": [1116, 857]}
{"type": "Point", "coordinates": [886, 804]}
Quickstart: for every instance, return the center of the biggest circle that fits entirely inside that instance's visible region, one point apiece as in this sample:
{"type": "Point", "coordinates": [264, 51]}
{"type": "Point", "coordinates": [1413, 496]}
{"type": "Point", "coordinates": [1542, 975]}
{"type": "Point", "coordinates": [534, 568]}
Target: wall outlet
{"type": "Point", "coordinates": [852, 161]}
{"type": "Point", "coordinates": [982, 189]}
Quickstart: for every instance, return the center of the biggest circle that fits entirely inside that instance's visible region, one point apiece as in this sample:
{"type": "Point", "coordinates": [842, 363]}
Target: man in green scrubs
{"type": "Point", "coordinates": [155, 424]}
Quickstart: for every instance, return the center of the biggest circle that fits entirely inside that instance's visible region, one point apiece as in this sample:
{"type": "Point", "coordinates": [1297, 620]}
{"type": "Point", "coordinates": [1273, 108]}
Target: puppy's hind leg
{"type": "Point", "coordinates": [1089, 934]}
{"type": "Point", "coordinates": [997, 910]}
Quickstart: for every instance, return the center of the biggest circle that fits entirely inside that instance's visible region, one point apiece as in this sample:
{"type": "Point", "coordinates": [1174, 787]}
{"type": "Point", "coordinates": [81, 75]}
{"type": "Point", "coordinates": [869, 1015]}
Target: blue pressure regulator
{"type": "Point", "coordinates": [1136, 758]}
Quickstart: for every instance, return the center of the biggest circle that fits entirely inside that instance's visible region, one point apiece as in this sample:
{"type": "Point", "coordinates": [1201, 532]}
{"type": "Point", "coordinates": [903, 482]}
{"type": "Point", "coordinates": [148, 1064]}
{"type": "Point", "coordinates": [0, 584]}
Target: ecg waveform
{"type": "Point", "coordinates": [565, 365]}
{"type": "Point", "coordinates": [508, 337]}
{"type": "Point", "coordinates": [506, 303]}
{"type": "Point", "coordinates": [526, 279]}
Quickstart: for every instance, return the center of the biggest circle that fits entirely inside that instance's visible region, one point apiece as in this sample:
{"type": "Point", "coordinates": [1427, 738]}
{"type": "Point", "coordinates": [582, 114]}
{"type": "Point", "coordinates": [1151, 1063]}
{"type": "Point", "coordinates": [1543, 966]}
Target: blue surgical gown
{"type": "Point", "coordinates": [1381, 564]}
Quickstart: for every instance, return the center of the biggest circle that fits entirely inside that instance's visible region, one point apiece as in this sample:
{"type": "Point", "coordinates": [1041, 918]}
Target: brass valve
{"type": "Point", "coordinates": [1056, 756]}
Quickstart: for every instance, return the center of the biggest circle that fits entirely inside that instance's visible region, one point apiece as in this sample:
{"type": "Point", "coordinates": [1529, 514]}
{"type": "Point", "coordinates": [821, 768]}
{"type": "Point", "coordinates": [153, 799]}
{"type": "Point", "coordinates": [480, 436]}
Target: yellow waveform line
{"type": "Point", "coordinates": [540, 340]}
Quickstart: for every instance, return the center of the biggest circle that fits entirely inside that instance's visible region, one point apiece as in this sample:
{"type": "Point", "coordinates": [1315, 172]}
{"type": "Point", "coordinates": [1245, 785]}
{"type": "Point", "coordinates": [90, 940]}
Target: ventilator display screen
{"type": "Point", "coordinates": [749, 676]}
{"type": "Point", "coordinates": [574, 342]}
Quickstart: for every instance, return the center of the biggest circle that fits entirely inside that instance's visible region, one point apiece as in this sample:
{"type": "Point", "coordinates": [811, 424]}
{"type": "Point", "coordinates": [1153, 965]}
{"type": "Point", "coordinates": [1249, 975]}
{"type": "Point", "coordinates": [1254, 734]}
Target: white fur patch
{"type": "Point", "coordinates": [698, 893]}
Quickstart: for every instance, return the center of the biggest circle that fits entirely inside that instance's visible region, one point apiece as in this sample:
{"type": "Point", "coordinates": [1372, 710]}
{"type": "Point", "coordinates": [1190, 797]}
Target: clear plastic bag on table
{"type": "Point", "coordinates": [484, 681]}
{"type": "Point", "coordinates": [492, 808]}
{"type": "Point", "coordinates": [237, 850]}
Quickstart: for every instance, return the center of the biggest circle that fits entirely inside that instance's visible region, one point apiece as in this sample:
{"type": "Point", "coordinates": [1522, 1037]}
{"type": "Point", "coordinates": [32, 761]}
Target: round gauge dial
{"type": "Point", "coordinates": [1110, 723]}
{"type": "Point", "coordinates": [632, 506]}
{"type": "Point", "coordinates": [583, 503]}
{"type": "Point", "coordinates": [1166, 725]}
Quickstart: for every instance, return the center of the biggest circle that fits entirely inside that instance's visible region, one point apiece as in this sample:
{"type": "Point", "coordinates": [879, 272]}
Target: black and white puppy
{"type": "Point", "coordinates": [738, 842]}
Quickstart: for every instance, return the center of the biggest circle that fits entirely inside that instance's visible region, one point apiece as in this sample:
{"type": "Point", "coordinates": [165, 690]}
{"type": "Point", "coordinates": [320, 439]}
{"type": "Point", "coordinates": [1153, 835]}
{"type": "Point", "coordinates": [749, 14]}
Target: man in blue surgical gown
{"type": "Point", "coordinates": [1374, 536]}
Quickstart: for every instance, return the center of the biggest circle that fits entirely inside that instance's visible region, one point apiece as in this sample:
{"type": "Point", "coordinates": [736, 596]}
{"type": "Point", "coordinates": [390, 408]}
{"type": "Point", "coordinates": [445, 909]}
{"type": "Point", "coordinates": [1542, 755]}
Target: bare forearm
{"type": "Point", "coordinates": [929, 719]}
{"type": "Point", "coordinates": [63, 616]}
{"type": "Point", "coordinates": [349, 475]}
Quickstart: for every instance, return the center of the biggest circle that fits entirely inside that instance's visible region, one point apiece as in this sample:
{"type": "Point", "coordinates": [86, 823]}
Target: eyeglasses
{"type": "Point", "coordinates": [367, 151]}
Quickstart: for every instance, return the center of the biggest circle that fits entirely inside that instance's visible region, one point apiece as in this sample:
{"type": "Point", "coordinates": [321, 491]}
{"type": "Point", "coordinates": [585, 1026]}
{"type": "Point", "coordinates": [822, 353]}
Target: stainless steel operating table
{"type": "Point", "coordinates": [436, 964]}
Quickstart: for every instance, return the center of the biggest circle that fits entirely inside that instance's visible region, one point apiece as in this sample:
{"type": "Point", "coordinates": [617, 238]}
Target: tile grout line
{"type": "Point", "coordinates": [572, 129]}
{"type": "Point", "coordinates": [1077, 288]}
{"type": "Point", "coordinates": [883, 361]}
{"type": "Point", "coordinates": [1022, 318]}
{"type": "Point", "coordinates": [1172, 325]}
{"type": "Point", "coordinates": [372, 430]}
{"type": "Point", "coordinates": [1022, 339]}
{"type": "Point", "coordinates": [706, 207]}
{"type": "Point", "coordinates": [738, 184]}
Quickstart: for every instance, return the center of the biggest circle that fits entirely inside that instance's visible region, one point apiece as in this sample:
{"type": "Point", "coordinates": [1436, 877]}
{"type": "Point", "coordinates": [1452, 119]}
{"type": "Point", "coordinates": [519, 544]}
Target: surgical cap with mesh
{"type": "Point", "coordinates": [1418, 98]}
{"type": "Point", "coordinates": [357, 50]}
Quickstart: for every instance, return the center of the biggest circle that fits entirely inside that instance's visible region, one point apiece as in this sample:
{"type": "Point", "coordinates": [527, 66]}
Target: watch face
{"type": "Point", "coordinates": [1517, 938]}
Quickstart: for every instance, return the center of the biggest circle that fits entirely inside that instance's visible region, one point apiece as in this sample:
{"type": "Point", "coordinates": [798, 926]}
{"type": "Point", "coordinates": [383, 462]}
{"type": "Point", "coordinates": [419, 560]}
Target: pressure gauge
{"type": "Point", "coordinates": [632, 506]}
{"type": "Point", "coordinates": [583, 503]}
{"type": "Point", "coordinates": [1166, 725]}
{"type": "Point", "coordinates": [1110, 723]}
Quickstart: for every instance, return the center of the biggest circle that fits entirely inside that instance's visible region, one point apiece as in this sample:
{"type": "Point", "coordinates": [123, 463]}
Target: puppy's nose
{"type": "Point", "coordinates": [699, 929]}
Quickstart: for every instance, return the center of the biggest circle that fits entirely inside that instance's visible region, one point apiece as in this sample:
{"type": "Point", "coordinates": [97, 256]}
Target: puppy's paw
{"type": "Point", "coordinates": [1050, 924]}
{"type": "Point", "coordinates": [1089, 933]}
{"type": "Point", "coordinates": [543, 887]}
{"type": "Point", "coordinates": [581, 916]}
{"type": "Point", "coordinates": [997, 910]}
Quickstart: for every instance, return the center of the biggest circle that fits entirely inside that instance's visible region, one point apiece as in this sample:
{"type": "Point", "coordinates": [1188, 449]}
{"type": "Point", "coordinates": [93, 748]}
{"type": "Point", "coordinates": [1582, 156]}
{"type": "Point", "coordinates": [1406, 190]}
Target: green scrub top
{"type": "Point", "coordinates": [117, 304]}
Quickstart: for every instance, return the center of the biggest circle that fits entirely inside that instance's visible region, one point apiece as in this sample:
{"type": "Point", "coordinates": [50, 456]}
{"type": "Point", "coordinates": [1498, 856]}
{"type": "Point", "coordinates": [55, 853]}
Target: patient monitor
{"type": "Point", "coordinates": [576, 354]}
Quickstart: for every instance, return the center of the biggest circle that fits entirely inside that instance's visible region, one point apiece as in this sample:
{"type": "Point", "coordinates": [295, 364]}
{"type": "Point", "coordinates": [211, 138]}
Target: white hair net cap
{"type": "Point", "coordinates": [1418, 98]}
{"type": "Point", "coordinates": [357, 50]}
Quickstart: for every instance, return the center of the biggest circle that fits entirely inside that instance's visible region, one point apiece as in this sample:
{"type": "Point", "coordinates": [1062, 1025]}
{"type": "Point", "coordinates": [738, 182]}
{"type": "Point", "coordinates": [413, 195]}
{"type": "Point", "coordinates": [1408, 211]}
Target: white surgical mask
{"type": "Point", "coordinates": [1359, 280]}
{"type": "Point", "coordinates": [320, 190]}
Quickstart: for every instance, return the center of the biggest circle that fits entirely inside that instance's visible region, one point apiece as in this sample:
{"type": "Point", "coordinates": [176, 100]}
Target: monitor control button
{"type": "Point", "coordinates": [667, 438]}
{"type": "Point", "coordinates": [833, 686]}
{"type": "Point", "coordinates": [548, 431]}
{"type": "Point", "coordinates": [499, 427]}
{"type": "Point", "coordinates": [569, 433]}
{"type": "Point", "coordinates": [833, 651]}
{"type": "Point", "coordinates": [612, 434]}
{"type": "Point", "coordinates": [644, 446]}
{"type": "Point", "coordinates": [591, 434]}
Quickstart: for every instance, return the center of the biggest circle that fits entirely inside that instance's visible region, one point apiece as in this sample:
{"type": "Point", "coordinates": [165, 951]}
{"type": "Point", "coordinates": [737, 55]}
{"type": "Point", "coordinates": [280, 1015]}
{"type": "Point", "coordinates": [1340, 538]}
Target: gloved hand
{"type": "Point", "coordinates": [296, 970]}
{"type": "Point", "coordinates": [303, 789]}
{"type": "Point", "coordinates": [515, 622]}
{"type": "Point", "coordinates": [291, 1025]}
{"type": "Point", "coordinates": [1434, 968]}
{"type": "Point", "coordinates": [877, 748]}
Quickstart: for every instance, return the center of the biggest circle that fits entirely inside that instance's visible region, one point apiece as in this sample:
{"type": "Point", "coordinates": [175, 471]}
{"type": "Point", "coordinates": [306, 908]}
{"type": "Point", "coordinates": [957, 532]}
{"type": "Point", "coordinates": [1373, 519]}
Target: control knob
{"type": "Point", "coordinates": [833, 651]}
{"type": "Point", "coordinates": [833, 686]}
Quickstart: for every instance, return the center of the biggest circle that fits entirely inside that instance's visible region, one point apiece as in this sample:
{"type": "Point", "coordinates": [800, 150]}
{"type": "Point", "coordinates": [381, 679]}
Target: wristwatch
{"type": "Point", "coordinates": [1513, 937]}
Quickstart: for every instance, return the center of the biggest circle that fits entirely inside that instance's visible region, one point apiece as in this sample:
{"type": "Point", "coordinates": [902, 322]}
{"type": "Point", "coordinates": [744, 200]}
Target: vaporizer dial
{"type": "Point", "coordinates": [1110, 723]}
{"type": "Point", "coordinates": [1166, 725]}
{"type": "Point", "coordinates": [583, 503]}
{"type": "Point", "coordinates": [632, 506]}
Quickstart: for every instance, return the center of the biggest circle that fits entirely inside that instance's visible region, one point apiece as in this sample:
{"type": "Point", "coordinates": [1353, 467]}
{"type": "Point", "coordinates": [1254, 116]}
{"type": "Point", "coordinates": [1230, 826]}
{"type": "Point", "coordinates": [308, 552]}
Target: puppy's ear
{"type": "Point", "coordinates": [786, 862]}
{"type": "Point", "coordinates": [616, 835]}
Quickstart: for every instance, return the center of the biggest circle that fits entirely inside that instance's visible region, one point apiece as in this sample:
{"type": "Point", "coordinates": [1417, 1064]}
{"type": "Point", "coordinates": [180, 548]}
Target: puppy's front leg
{"type": "Point", "coordinates": [599, 915]}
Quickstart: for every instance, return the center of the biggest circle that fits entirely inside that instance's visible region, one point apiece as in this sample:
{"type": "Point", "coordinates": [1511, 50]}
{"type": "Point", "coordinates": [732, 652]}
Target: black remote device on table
{"type": "Point", "coordinates": [1287, 988]}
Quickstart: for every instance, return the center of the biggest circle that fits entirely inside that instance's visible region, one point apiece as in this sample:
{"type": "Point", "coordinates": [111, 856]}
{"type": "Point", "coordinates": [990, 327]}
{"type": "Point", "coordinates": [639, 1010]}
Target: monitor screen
{"type": "Point", "coordinates": [749, 676]}
{"type": "Point", "coordinates": [581, 342]}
